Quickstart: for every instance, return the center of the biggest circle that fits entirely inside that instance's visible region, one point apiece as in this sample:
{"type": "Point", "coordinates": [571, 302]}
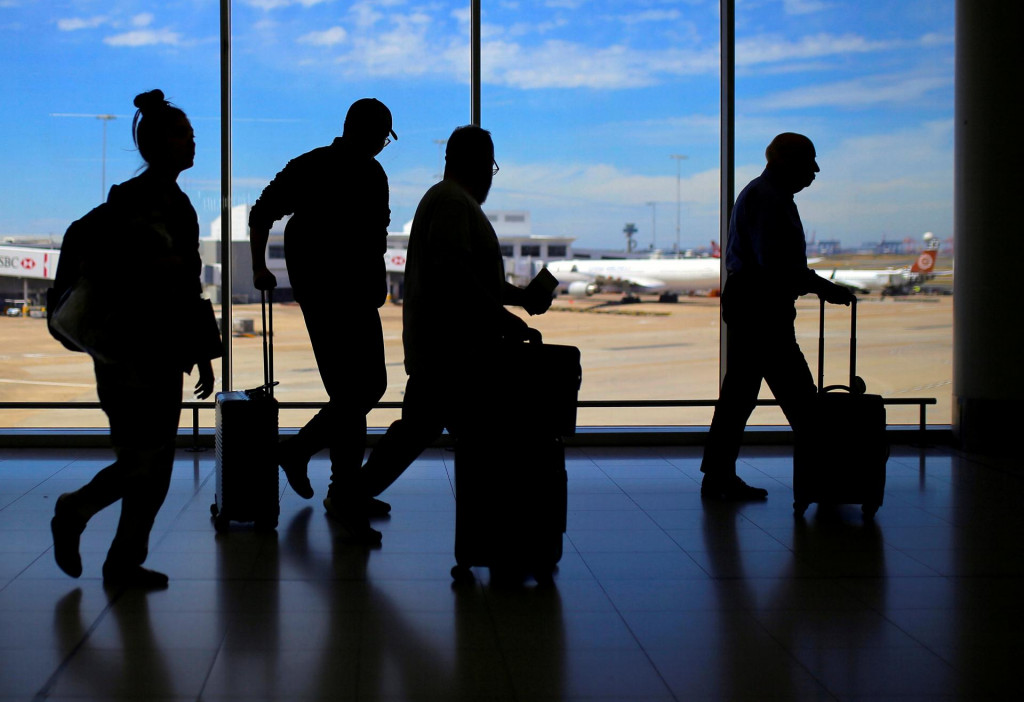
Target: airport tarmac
{"type": "Point", "coordinates": [638, 351]}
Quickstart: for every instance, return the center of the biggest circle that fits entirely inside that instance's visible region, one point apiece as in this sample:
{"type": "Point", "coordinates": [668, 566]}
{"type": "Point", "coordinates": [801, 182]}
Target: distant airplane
{"type": "Point", "coordinates": [888, 281]}
{"type": "Point", "coordinates": [667, 277]}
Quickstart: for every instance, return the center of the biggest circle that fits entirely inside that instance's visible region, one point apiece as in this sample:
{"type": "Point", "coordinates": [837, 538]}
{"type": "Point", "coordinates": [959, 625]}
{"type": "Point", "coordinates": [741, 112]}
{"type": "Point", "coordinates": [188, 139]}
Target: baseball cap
{"type": "Point", "coordinates": [369, 113]}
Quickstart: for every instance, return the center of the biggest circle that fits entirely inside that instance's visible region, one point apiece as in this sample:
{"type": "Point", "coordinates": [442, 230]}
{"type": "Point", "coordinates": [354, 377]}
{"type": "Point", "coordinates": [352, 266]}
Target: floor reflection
{"type": "Point", "coordinates": [658, 596]}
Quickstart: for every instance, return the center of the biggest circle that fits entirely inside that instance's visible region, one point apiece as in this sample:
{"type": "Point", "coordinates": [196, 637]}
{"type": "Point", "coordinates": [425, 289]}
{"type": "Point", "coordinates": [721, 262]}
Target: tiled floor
{"type": "Point", "coordinates": [658, 597]}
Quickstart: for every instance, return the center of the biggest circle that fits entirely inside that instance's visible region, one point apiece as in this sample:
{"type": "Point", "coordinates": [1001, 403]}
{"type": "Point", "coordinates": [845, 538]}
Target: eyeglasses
{"type": "Point", "coordinates": [387, 140]}
{"type": "Point", "coordinates": [494, 171]}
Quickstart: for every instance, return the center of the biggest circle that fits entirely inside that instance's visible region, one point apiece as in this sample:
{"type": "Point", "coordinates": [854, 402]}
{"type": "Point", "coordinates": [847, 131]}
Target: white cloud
{"type": "Point", "coordinates": [328, 37]}
{"type": "Point", "coordinates": [267, 5]}
{"type": "Point", "coordinates": [650, 16]}
{"type": "Point", "coordinates": [142, 20]}
{"type": "Point", "coordinates": [73, 24]}
{"type": "Point", "coordinates": [566, 64]}
{"type": "Point", "coordinates": [365, 15]}
{"type": "Point", "coordinates": [859, 92]}
{"type": "Point", "coordinates": [593, 201]}
{"type": "Point", "coordinates": [144, 37]}
{"type": "Point", "coordinates": [403, 51]}
{"type": "Point", "coordinates": [804, 7]}
{"type": "Point", "coordinates": [378, 41]}
{"type": "Point", "coordinates": [520, 29]}
{"type": "Point", "coordinates": [561, 64]}
{"type": "Point", "coordinates": [769, 49]}
{"type": "Point", "coordinates": [898, 184]}
{"type": "Point", "coordinates": [565, 4]}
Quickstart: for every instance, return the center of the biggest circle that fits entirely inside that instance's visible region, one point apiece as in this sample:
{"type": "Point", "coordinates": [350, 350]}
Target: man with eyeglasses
{"type": "Point", "coordinates": [454, 316]}
{"type": "Point", "coordinates": [335, 241]}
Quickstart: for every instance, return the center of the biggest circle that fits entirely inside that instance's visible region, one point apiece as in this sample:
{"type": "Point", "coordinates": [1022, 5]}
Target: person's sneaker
{"type": "Point", "coordinates": [67, 528]}
{"type": "Point", "coordinates": [730, 489]}
{"type": "Point", "coordinates": [355, 522]}
{"type": "Point", "coordinates": [374, 508]}
{"type": "Point", "coordinates": [296, 469]}
{"type": "Point", "coordinates": [135, 577]}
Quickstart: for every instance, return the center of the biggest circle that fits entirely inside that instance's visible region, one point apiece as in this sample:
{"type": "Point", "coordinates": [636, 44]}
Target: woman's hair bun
{"type": "Point", "coordinates": [149, 100]}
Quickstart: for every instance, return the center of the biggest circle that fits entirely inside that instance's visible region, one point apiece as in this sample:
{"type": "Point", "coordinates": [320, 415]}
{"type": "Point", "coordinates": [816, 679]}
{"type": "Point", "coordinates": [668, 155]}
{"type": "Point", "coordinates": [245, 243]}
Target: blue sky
{"type": "Point", "coordinates": [587, 101]}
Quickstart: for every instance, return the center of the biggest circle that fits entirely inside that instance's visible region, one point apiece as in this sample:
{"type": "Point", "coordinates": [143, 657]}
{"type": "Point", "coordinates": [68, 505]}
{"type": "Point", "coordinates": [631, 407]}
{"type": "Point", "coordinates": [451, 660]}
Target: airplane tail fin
{"type": "Point", "coordinates": [716, 250]}
{"type": "Point", "coordinates": [925, 262]}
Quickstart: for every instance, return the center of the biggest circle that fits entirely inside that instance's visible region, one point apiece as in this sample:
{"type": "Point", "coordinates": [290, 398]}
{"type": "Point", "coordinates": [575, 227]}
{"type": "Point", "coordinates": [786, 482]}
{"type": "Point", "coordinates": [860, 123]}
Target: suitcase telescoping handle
{"type": "Point", "coordinates": [267, 305]}
{"type": "Point", "coordinates": [856, 385]}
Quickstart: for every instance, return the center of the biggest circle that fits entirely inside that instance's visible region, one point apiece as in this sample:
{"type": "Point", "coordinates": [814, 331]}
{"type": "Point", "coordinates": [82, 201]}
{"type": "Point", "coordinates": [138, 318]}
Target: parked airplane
{"type": "Point", "coordinates": [666, 277]}
{"type": "Point", "coordinates": [888, 281]}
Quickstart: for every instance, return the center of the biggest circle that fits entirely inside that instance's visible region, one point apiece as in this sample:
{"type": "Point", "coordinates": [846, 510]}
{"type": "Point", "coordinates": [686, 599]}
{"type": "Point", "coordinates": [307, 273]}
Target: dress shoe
{"type": "Point", "coordinates": [354, 520]}
{"type": "Point", "coordinates": [296, 469]}
{"type": "Point", "coordinates": [67, 528]}
{"type": "Point", "coordinates": [136, 577]}
{"type": "Point", "coordinates": [376, 509]}
{"type": "Point", "coordinates": [730, 489]}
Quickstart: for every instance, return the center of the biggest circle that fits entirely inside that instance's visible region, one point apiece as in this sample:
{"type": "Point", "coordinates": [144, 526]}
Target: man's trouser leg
{"type": "Point", "coordinates": [421, 424]}
{"type": "Point", "coordinates": [350, 356]}
{"type": "Point", "coordinates": [736, 401]}
{"type": "Point", "coordinates": [790, 380]}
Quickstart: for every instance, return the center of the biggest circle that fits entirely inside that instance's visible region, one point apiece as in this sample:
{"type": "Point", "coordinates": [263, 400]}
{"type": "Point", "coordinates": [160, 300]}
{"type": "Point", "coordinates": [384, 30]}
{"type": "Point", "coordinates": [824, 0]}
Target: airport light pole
{"type": "Point", "coordinates": [103, 160]}
{"type": "Point", "coordinates": [654, 230]}
{"type": "Point", "coordinates": [440, 157]}
{"type": "Point", "coordinates": [103, 167]}
{"type": "Point", "coordinates": [679, 158]}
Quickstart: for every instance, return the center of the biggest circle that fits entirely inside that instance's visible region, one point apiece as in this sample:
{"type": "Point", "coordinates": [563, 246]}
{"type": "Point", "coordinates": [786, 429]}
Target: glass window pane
{"type": "Point", "coordinates": [605, 118]}
{"type": "Point", "coordinates": [70, 72]}
{"type": "Point", "coordinates": [871, 83]}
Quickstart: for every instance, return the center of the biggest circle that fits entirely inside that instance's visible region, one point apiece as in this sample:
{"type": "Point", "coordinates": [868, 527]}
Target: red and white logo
{"type": "Point", "coordinates": [28, 263]}
{"type": "Point", "coordinates": [925, 261]}
{"type": "Point", "coordinates": [398, 260]}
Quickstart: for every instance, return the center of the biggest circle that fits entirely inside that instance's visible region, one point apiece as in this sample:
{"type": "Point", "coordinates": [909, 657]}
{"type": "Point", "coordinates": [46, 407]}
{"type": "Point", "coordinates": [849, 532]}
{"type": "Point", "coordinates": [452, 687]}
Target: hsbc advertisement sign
{"type": "Point", "coordinates": [24, 262]}
{"type": "Point", "coordinates": [394, 260]}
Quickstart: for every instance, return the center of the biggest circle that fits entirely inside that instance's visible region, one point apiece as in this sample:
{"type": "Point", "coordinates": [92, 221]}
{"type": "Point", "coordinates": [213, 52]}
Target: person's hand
{"type": "Point", "coordinates": [204, 387]}
{"type": "Point", "coordinates": [536, 301]}
{"type": "Point", "coordinates": [532, 336]}
{"type": "Point", "coordinates": [263, 279]}
{"type": "Point", "coordinates": [839, 295]}
{"type": "Point", "coordinates": [515, 329]}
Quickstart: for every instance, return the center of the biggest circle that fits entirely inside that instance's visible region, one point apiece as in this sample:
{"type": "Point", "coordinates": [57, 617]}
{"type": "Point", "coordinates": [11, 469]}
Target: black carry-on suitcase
{"type": "Point", "coordinates": [247, 488]}
{"type": "Point", "coordinates": [511, 484]}
{"type": "Point", "coordinates": [840, 458]}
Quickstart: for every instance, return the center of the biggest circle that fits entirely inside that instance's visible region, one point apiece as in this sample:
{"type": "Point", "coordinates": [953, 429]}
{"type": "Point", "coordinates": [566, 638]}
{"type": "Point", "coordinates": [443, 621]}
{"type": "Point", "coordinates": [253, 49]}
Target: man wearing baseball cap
{"type": "Point", "coordinates": [334, 249]}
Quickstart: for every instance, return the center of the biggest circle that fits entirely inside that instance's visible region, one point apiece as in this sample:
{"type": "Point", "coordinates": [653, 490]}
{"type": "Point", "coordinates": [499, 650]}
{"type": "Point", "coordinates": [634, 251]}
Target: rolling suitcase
{"type": "Point", "coordinates": [510, 506]}
{"type": "Point", "coordinates": [511, 484]}
{"type": "Point", "coordinates": [840, 458]}
{"type": "Point", "coordinates": [247, 488]}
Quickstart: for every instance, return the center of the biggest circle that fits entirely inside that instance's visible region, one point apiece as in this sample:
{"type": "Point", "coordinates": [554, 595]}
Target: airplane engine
{"type": "Point", "coordinates": [581, 289]}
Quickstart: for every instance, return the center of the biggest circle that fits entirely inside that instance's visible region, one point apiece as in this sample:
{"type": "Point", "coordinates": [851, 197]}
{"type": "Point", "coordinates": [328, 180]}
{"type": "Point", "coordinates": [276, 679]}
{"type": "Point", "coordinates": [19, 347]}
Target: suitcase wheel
{"type": "Point", "coordinates": [799, 508]}
{"type": "Point", "coordinates": [869, 510]}
{"type": "Point", "coordinates": [462, 575]}
{"type": "Point", "coordinates": [545, 578]}
{"type": "Point", "coordinates": [220, 523]}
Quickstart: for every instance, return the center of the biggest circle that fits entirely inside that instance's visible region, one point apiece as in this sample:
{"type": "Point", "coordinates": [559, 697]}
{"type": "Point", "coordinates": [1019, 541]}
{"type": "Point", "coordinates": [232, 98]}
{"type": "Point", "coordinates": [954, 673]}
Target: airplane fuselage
{"type": "Point", "coordinates": [662, 275]}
